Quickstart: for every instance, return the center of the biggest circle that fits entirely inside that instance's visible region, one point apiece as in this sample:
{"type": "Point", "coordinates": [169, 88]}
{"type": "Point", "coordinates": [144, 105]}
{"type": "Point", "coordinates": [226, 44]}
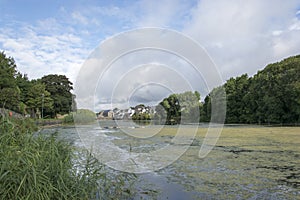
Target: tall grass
{"type": "Point", "coordinates": [40, 167]}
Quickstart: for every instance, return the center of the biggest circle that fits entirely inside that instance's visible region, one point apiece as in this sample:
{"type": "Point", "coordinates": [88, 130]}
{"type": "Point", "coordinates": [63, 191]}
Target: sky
{"type": "Point", "coordinates": [59, 36]}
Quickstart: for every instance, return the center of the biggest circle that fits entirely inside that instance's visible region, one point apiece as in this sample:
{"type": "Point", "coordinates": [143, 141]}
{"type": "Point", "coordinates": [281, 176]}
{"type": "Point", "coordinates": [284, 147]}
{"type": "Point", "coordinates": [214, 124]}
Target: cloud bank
{"type": "Point", "coordinates": [240, 36]}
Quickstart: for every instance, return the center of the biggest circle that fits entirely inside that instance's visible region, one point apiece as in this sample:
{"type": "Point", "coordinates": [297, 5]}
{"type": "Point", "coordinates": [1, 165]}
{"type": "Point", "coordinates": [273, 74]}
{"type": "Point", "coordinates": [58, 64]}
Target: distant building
{"type": "Point", "coordinates": [119, 114]}
{"type": "Point", "coordinates": [105, 114]}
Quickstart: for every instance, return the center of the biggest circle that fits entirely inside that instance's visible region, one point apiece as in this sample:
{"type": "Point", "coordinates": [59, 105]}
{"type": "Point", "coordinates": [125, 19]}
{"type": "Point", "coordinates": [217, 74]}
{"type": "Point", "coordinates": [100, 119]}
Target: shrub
{"type": "Point", "coordinates": [81, 116]}
{"type": "Point", "coordinates": [68, 119]}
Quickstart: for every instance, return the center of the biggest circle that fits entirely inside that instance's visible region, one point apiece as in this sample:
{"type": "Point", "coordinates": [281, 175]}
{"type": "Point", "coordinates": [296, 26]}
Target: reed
{"type": "Point", "coordinates": [43, 167]}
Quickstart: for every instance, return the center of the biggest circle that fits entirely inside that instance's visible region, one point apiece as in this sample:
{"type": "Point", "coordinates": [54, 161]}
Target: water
{"type": "Point", "coordinates": [246, 163]}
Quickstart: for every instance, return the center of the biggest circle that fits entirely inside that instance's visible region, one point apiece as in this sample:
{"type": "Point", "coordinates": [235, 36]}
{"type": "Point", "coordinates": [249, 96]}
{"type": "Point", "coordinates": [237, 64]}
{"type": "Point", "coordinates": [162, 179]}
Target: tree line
{"type": "Point", "coordinates": [271, 96]}
{"type": "Point", "coordinates": [43, 97]}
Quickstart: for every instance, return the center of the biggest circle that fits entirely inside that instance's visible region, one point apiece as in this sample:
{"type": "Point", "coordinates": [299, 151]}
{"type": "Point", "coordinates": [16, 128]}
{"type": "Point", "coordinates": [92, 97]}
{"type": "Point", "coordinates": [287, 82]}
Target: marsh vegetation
{"type": "Point", "coordinates": [36, 166]}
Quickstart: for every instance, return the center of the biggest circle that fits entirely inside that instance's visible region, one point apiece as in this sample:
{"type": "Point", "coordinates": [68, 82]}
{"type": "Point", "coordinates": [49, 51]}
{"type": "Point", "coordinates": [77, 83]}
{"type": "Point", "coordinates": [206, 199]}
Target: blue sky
{"type": "Point", "coordinates": [55, 36]}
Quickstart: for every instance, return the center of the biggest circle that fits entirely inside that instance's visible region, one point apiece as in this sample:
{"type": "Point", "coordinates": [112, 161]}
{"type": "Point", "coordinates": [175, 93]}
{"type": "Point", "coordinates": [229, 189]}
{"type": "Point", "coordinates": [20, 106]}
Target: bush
{"type": "Point", "coordinates": [68, 119]}
{"type": "Point", "coordinates": [81, 116]}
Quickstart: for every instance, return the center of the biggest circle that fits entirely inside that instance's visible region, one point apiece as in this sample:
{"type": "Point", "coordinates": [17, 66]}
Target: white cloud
{"type": "Point", "coordinates": [244, 36]}
{"type": "Point", "coordinates": [241, 37]}
{"type": "Point", "coordinates": [121, 68]}
{"type": "Point", "coordinates": [37, 54]}
{"type": "Point", "coordinates": [79, 17]}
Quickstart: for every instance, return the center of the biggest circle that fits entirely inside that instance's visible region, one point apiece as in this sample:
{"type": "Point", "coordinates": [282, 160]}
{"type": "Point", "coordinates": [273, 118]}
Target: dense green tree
{"type": "Point", "coordinates": [141, 113]}
{"type": "Point", "coordinates": [7, 71]}
{"type": "Point", "coordinates": [189, 106]}
{"type": "Point", "coordinates": [9, 92]}
{"type": "Point", "coordinates": [9, 98]}
{"type": "Point", "coordinates": [24, 84]}
{"type": "Point", "coordinates": [236, 91]}
{"type": "Point", "coordinates": [160, 115]}
{"type": "Point", "coordinates": [205, 112]}
{"type": "Point", "coordinates": [275, 94]}
{"type": "Point", "coordinates": [179, 108]}
{"type": "Point", "coordinates": [39, 100]}
{"type": "Point", "coordinates": [214, 107]}
{"type": "Point", "coordinates": [60, 88]}
{"type": "Point", "coordinates": [270, 96]}
{"type": "Point", "coordinates": [17, 93]}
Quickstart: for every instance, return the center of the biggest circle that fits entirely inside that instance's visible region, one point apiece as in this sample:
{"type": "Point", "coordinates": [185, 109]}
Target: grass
{"type": "Point", "coordinates": [42, 167]}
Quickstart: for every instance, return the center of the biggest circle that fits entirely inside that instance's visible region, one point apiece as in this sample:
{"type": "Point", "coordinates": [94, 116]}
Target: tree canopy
{"type": "Point", "coordinates": [272, 96]}
{"type": "Point", "coordinates": [50, 95]}
{"type": "Point", "coordinates": [179, 108]}
{"type": "Point", "coordinates": [59, 88]}
{"type": "Point", "coordinates": [9, 92]}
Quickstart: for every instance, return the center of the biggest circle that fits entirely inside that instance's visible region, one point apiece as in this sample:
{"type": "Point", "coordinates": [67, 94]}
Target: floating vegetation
{"type": "Point", "coordinates": [246, 163]}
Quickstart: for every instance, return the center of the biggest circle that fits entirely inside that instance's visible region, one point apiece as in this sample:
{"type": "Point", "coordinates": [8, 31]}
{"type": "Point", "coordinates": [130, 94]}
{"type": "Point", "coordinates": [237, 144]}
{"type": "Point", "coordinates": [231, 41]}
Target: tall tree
{"type": "Point", "coordinates": [9, 92]}
{"type": "Point", "coordinates": [60, 88]}
{"type": "Point", "coordinates": [38, 100]}
{"type": "Point", "coordinates": [24, 84]}
{"type": "Point", "coordinates": [214, 106]}
{"type": "Point", "coordinates": [179, 108]}
{"type": "Point", "coordinates": [270, 96]}
{"type": "Point", "coordinates": [275, 92]}
{"type": "Point", "coordinates": [236, 90]}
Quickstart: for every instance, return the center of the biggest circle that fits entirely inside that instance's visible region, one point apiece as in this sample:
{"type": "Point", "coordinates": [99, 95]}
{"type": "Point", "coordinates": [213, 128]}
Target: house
{"type": "Point", "coordinates": [105, 114]}
{"type": "Point", "coordinates": [120, 114]}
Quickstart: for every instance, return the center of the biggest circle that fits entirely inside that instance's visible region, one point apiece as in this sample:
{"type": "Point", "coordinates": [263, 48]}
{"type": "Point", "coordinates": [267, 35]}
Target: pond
{"type": "Point", "coordinates": [248, 162]}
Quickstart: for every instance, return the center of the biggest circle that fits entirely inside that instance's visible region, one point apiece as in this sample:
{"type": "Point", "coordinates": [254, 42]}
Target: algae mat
{"type": "Point", "coordinates": [246, 163]}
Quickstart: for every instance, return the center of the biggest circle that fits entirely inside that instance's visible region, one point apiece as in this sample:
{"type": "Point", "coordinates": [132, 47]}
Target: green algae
{"type": "Point", "coordinates": [246, 163]}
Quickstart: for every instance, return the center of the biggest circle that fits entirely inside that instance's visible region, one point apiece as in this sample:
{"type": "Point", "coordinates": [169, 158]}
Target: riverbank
{"type": "Point", "coordinates": [49, 122]}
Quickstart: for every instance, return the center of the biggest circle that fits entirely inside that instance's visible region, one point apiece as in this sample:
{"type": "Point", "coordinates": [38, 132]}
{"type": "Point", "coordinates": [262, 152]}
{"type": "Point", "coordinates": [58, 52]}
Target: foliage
{"type": "Point", "coordinates": [214, 106]}
{"type": "Point", "coordinates": [189, 106]}
{"type": "Point", "coordinates": [141, 116]}
{"type": "Point", "coordinates": [38, 99]}
{"type": "Point", "coordinates": [40, 167]}
{"type": "Point", "coordinates": [9, 97]}
{"type": "Point", "coordinates": [179, 108]}
{"type": "Point", "coordinates": [24, 86]}
{"type": "Point", "coordinates": [142, 113]}
{"type": "Point", "coordinates": [7, 71]}
{"type": "Point", "coordinates": [9, 92]}
{"type": "Point", "coordinates": [236, 91]}
{"type": "Point", "coordinates": [270, 96]}
{"type": "Point", "coordinates": [68, 119]}
{"type": "Point", "coordinates": [274, 93]}
{"type": "Point", "coordinates": [59, 87]}
{"type": "Point", "coordinates": [82, 116]}
{"type": "Point", "coordinates": [19, 94]}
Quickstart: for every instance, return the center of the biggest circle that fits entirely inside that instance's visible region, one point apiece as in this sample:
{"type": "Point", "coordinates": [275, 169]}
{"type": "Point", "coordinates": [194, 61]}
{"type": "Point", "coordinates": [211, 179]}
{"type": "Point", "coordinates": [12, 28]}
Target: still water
{"type": "Point", "coordinates": [246, 163]}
